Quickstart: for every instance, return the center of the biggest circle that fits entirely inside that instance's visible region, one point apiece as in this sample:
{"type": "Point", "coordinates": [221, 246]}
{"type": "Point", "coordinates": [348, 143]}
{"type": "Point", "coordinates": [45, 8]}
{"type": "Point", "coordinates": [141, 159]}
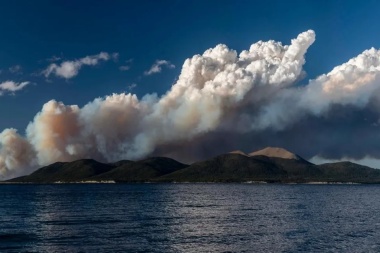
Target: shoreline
{"type": "Point", "coordinates": [150, 182]}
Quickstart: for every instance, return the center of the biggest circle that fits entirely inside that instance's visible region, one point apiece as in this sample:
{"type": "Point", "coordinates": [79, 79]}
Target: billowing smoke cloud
{"type": "Point", "coordinates": [16, 154]}
{"type": "Point", "coordinates": [222, 101]}
{"type": "Point", "coordinates": [70, 69]}
{"type": "Point", "coordinates": [354, 83]}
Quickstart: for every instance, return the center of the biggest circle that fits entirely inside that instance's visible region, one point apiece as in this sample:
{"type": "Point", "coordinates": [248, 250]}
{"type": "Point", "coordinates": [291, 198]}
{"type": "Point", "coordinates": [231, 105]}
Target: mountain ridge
{"type": "Point", "coordinates": [272, 165]}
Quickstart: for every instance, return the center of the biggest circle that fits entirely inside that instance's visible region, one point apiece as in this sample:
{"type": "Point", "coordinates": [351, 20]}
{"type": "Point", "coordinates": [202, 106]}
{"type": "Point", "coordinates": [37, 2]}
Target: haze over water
{"type": "Point", "coordinates": [189, 218]}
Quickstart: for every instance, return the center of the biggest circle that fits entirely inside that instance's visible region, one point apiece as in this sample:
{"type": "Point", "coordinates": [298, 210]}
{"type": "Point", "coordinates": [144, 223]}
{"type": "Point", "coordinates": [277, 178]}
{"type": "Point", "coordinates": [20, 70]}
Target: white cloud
{"type": "Point", "coordinates": [54, 58]}
{"type": "Point", "coordinates": [132, 86]}
{"type": "Point", "coordinates": [16, 69]}
{"type": "Point", "coordinates": [157, 67]}
{"type": "Point", "coordinates": [12, 87]}
{"type": "Point", "coordinates": [115, 56]}
{"type": "Point", "coordinates": [127, 65]}
{"type": "Point", "coordinates": [124, 68]}
{"type": "Point", "coordinates": [70, 69]}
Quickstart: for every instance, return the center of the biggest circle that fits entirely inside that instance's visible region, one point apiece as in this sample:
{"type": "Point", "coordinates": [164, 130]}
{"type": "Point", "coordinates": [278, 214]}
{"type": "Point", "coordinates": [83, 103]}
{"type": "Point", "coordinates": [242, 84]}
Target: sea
{"type": "Point", "coordinates": [196, 217]}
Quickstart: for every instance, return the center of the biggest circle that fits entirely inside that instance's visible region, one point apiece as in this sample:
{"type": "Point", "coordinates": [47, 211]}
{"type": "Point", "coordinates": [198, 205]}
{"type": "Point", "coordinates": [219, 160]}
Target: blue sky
{"type": "Point", "coordinates": [142, 32]}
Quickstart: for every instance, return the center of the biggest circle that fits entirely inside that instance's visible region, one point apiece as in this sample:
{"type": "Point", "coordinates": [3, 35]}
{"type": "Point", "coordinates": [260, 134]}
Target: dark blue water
{"type": "Point", "coordinates": [189, 218]}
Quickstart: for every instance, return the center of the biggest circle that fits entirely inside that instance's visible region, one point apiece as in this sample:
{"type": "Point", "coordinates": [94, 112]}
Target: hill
{"type": "Point", "coordinates": [227, 168]}
{"type": "Point", "coordinates": [271, 165]}
{"type": "Point", "coordinates": [235, 167]}
{"type": "Point", "coordinates": [349, 172]}
{"type": "Point", "coordinates": [91, 170]}
{"type": "Point", "coordinates": [66, 172]}
{"type": "Point", "coordinates": [141, 171]}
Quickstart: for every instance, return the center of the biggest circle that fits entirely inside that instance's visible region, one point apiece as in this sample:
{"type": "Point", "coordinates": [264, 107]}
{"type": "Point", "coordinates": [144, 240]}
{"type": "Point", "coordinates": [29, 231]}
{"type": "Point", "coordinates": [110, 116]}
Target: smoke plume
{"type": "Point", "coordinates": [222, 101]}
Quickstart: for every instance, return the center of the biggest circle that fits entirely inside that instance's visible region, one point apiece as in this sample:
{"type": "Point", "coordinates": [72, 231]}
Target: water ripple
{"type": "Point", "coordinates": [189, 218]}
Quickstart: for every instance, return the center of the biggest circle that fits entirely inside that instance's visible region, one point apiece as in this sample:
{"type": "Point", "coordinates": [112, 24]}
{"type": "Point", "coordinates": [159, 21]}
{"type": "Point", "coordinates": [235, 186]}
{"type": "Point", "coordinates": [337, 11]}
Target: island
{"type": "Point", "coordinates": [269, 165]}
